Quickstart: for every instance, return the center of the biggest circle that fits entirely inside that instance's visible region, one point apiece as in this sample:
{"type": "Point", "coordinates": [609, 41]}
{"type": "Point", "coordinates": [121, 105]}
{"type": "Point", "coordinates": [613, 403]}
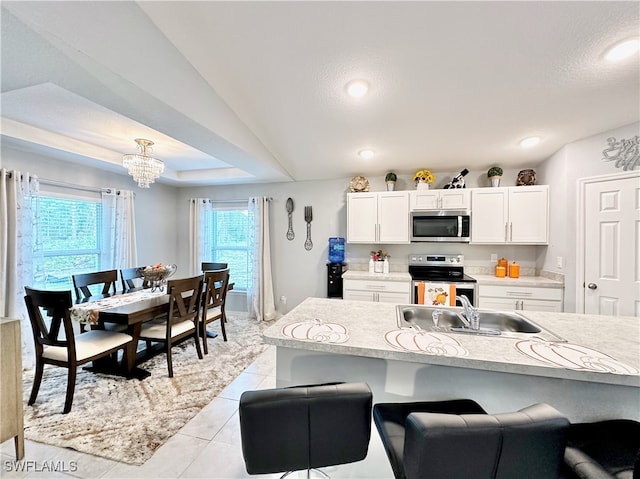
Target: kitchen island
{"type": "Point", "coordinates": [361, 341]}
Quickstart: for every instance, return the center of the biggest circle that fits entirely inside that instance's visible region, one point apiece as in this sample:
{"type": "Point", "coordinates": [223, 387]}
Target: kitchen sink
{"type": "Point", "coordinates": [423, 317]}
{"type": "Point", "coordinates": [504, 324]}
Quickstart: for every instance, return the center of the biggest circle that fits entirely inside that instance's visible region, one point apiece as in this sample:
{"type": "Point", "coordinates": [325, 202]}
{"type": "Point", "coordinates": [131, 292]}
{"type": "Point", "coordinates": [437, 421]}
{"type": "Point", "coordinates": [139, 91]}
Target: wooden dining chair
{"type": "Point", "coordinates": [56, 343]}
{"type": "Point", "coordinates": [217, 284]}
{"type": "Point", "coordinates": [128, 275]}
{"type": "Point", "coordinates": [213, 266]}
{"type": "Point", "coordinates": [107, 279]}
{"type": "Point", "coordinates": [185, 299]}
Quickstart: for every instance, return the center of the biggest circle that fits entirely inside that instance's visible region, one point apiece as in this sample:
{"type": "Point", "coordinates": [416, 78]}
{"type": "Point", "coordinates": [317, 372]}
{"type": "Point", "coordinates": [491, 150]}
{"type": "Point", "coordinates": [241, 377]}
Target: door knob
{"type": "Point", "coordinates": [592, 286]}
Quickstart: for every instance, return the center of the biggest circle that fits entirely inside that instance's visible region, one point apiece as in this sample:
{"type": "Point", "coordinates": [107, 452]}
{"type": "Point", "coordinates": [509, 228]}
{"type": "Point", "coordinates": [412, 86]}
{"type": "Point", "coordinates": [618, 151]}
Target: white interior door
{"type": "Point", "coordinates": [612, 243]}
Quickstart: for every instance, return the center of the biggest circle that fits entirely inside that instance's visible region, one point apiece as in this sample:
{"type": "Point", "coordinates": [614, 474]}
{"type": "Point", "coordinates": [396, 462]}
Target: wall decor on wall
{"type": "Point", "coordinates": [625, 153]}
{"type": "Point", "coordinates": [308, 217]}
{"type": "Point", "coordinates": [290, 233]}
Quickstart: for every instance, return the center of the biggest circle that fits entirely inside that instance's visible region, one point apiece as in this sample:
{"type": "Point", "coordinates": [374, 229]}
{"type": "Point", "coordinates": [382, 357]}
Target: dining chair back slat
{"type": "Point", "coordinates": [56, 343]}
{"type": "Point", "coordinates": [217, 285]}
{"type": "Point", "coordinates": [129, 275]}
{"type": "Point", "coordinates": [81, 283]}
{"type": "Point", "coordinates": [185, 298]}
{"type": "Point", "coordinates": [213, 266]}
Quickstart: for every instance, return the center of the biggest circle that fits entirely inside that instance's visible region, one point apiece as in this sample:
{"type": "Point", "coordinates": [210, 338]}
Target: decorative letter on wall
{"type": "Point", "coordinates": [626, 153]}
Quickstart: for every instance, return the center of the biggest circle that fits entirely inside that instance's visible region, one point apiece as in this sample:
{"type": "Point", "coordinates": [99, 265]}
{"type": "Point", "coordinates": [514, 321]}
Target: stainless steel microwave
{"type": "Point", "coordinates": [441, 225]}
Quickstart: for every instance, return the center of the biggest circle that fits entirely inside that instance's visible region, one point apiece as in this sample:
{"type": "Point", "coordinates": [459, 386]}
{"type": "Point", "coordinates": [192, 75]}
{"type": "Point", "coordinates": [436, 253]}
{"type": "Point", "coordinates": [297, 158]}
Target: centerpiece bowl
{"type": "Point", "coordinates": [156, 275]}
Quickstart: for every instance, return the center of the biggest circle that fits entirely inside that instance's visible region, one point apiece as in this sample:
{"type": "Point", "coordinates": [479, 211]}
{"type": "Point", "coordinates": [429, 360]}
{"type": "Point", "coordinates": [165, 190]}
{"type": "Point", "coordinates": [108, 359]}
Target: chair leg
{"type": "Point", "coordinates": [169, 360]}
{"type": "Point", "coordinates": [205, 343]}
{"type": "Point", "coordinates": [197, 340]}
{"type": "Point", "coordinates": [71, 386]}
{"type": "Point", "coordinates": [37, 379]}
{"type": "Point", "coordinates": [224, 331]}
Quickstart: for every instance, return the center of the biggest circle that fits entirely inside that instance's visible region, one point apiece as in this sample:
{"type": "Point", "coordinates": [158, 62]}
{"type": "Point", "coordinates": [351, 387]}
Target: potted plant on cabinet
{"type": "Point", "coordinates": [423, 179]}
{"type": "Point", "coordinates": [494, 174]}
{"type": "Point", "coordinates": [391, 179]}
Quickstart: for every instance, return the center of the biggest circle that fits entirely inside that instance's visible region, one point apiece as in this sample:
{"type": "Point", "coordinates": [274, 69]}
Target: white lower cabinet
{"type": "Point", "coordinates": [527, 298]}
{"type": "Point", "coordinates": [396, 292]}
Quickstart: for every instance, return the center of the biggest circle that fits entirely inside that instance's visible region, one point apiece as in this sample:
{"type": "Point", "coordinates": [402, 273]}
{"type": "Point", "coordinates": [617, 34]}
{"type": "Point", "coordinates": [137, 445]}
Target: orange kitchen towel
{"type": "Point", "coordinates": [452, 295]}
{"type": "Point", "coordinates": [421, 293]}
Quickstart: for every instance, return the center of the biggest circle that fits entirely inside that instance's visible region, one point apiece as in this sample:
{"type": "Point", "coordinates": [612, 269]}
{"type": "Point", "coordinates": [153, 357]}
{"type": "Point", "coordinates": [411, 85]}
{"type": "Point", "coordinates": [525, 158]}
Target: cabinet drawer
{"type": "Point", "coordinates": [377, 286]}
{"type": "Point", "coordinates": [521, 292]}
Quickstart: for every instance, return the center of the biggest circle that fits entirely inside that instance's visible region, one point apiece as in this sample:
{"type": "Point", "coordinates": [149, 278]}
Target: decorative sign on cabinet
{"type": "Point", "coordinates": [454, 199]}
{"type": "Point", "coordinates": [513, 215]}
{"type": "Point", "coordinates": [378, 217]}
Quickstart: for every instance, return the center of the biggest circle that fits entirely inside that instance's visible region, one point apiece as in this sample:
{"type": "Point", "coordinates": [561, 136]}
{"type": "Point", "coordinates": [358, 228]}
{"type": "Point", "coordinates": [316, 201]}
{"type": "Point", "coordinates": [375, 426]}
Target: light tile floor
{"type": "Point", "coordinates": [208, 446]}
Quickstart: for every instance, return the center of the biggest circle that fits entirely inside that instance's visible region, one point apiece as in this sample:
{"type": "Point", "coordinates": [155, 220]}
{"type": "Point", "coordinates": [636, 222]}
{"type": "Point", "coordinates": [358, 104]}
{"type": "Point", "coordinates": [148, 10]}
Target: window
{"type": "Point", "coordinates": [230, 241]}
{"type": "Point", "coordinates": [68, 239]}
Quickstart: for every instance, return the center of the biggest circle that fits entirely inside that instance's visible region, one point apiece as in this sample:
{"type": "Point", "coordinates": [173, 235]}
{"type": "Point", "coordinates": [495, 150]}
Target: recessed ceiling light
{"type": "Point", "coordinates": [357, 88]}
{"type": "Point", "coordinates": [623, 49]}
{"type": "Point", "coordinates": [529, 142]}
{"type": "Point", "coordinates": [365, 154]}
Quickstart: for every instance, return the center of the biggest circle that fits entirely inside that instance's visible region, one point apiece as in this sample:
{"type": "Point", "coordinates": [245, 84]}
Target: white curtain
{"type": "Point", "coordinates": [260, 288]}
{"type": "Point", "coordinates": [200, 238]}
{"type": "Point", "coordinates": [16, 250]}
{"type": "Point", "coordinates": [118, 229]}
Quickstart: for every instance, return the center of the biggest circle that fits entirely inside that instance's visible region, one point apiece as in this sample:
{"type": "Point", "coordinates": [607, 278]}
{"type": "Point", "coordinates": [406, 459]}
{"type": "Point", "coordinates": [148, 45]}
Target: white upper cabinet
{"type": "Point", "coordinates": [378, 217]}
{"type": "Point", "coordinates": [453, 199]}
{"type": "Point", "coordinates": [514, 215]}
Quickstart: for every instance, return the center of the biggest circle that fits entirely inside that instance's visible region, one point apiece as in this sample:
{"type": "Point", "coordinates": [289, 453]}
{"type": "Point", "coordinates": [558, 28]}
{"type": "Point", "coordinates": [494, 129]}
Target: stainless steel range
{"type": "Point", "coordinates": [439, 278]}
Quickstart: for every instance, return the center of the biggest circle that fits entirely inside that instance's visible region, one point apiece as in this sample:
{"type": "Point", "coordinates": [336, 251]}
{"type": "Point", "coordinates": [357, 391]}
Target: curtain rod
{"type": "Point", "coordinates": [241, 200]}
{"type": "Point", "coordinates": [61, 184]}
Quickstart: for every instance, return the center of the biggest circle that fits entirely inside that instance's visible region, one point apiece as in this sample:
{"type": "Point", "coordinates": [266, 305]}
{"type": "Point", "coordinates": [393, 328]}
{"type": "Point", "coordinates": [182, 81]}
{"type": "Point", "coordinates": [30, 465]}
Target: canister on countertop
{"type": "Point", "coordinates": [514, 270]}
{"type": "Point", "coordinates": [503, 262]}
{"type": "Point", "coordinates": [501, 271]}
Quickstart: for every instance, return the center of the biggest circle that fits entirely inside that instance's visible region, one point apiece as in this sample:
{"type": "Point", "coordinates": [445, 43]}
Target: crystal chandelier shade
{"type": "Point", "coordinates": [144, 168]}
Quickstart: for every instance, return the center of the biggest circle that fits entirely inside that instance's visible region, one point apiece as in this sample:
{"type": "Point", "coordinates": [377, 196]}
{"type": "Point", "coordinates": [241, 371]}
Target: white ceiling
{"type": "Point", "coordinates": [254, 91]}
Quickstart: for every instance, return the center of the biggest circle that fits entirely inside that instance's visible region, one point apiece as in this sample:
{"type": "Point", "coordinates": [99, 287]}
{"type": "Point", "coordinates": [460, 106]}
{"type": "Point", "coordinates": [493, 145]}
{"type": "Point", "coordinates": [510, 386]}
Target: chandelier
{"type": "Point", "coordinates": [144, 168]}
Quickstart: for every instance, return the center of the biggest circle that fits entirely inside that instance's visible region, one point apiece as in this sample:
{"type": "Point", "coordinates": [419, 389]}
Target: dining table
{"type": "Point", "coordinates": [131, 309]}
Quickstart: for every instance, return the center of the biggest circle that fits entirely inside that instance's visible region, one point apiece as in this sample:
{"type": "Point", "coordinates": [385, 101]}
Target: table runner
{"type": "Point", "coordinates": [87, 313]}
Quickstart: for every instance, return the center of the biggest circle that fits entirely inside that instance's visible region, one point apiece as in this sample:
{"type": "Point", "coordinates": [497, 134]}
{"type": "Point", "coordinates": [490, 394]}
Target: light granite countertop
{"type": "Point", "coordinates": [392, 276]}
{"type": "Point", "coordinates": [612, 343]}
{"type": "Point", "coordinates": [534, 281]}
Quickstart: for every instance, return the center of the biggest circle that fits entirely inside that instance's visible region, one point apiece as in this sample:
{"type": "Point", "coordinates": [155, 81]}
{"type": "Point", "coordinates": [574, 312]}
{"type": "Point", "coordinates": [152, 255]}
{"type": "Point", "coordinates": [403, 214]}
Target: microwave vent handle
{"type": "Point", "coordinates": [459, 226]}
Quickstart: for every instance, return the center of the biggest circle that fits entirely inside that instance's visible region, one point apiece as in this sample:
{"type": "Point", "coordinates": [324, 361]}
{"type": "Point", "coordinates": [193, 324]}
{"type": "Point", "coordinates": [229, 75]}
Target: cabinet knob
{"type": "Point", "coordinates": [592, 286]}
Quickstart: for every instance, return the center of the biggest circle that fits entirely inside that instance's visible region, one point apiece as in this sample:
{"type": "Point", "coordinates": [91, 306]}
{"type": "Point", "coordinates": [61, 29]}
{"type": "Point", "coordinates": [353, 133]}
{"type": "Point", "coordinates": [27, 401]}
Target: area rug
{"type": "Point", "coordinates": [127, 420]}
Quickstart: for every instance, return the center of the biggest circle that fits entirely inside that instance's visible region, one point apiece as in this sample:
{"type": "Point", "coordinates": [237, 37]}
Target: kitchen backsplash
{"type": "Point", "coordinates": [399, 266]}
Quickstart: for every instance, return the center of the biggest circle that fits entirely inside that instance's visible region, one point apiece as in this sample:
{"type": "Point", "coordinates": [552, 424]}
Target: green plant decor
{"type": "Point", "coordinates": [494, 171]}
{"type": "Point", "coordinates": [391, 176]}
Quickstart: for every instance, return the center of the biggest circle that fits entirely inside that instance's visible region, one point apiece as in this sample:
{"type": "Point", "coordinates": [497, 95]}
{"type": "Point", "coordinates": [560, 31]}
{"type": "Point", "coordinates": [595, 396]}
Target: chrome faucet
{"type": "Point", "coordinates": [470, 313]}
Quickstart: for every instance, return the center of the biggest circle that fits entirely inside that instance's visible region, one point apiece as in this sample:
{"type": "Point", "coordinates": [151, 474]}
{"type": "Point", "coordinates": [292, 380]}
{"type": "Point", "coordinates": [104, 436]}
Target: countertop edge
{"type": "Point", "coordinates": [460, 362]}
{"type": "Point", "coordinates": [368, 323]}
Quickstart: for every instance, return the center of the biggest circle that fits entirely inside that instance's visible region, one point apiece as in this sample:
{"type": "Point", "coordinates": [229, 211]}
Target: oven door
{"type": "Point", "coordinates": [434, 293]}
{"type": "Point", "coordinates": [449, 226]}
